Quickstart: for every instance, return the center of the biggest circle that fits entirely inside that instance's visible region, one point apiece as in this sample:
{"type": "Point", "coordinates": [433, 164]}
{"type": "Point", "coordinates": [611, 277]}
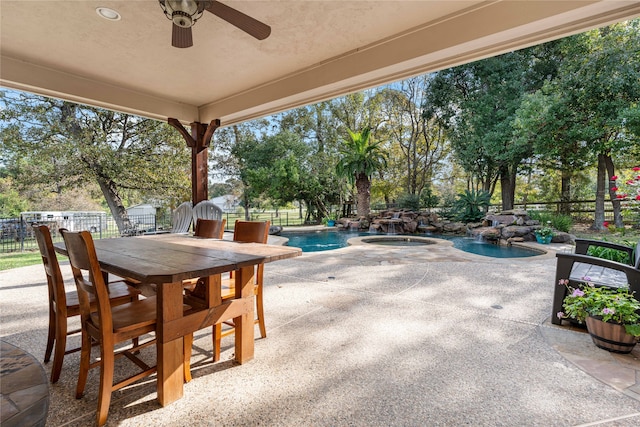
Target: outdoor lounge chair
{"type": "Point", "coordinates": [206, 209]}
{"type": "Point", "coordinates": [601, 272]}
{"type": "Point", "coordinates": [182, 218]}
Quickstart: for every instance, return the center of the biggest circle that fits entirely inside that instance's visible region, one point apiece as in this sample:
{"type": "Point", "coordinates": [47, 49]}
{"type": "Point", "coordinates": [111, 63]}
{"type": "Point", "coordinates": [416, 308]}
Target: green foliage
{"type": "Point", "coordinates": [409, 201]}
{"type": "Point", "coordinates": [11, 203]}
{"type": "Point", "coordinates": [428, 199]}
{"type": "Point", "coordinates": [471, 205]}
{"type": "Point", "coordinates": [612, 305]}
{"type": "Point", "coordinates": [448, 207]}
{"type": "Point", "coordinates": [558, 221]}
{"type": "Point", "coordinates": [544, 232]}
{"type": "Point", "coordinates": [610, 253]}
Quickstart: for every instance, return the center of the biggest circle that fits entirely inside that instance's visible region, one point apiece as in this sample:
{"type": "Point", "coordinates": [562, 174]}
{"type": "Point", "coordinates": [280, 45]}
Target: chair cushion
{"type": "Point", "coordinates": [598, 275]}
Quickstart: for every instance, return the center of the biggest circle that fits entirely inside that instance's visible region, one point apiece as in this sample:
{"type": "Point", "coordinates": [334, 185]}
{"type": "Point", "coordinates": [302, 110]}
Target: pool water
{"type": "Point", "coordinates": [316, 241]}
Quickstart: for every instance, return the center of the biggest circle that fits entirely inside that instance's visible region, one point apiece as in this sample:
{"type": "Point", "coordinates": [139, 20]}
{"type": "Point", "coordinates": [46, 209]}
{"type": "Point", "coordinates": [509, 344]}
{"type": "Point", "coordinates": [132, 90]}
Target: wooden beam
{"type": "Point", "coordinates": [198, 140]}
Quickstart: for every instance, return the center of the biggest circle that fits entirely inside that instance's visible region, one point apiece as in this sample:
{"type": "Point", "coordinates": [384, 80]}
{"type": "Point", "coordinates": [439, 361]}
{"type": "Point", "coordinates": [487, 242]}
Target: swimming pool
{"type": "Point", "coordinates": [326, 240]}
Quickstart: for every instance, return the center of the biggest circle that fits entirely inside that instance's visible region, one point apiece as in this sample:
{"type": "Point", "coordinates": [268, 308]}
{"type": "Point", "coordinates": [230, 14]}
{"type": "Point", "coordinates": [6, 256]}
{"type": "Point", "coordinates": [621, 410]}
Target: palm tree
{"type": "Point", "coordinates": [360, 158]}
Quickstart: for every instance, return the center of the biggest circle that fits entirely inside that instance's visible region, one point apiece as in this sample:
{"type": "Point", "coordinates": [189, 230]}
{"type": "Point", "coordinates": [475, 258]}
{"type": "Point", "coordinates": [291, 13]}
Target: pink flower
{"type": "Point", "coordinates": [577, 293]}
{"type": "Point", "coordinates": [614, 177]}
{"type": "Point", "coordinates": [620, 196]}
{"type": "Point", "coordinates": [614, 189]}
{"type": "Point", "coordinates": [560, 315]}
{"type": "Point", "coordinates": [638, 197]}
{"type": "Point", "coordinates": [630, 182]}
{"type": "Point", "coordinates": [637, 168]}
{"type": "Point", "coordinates": [605, 224]}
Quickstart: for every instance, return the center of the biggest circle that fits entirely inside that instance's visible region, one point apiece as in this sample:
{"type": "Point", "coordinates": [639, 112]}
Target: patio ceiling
{"type": "Point", "coordinates": [317, 50]}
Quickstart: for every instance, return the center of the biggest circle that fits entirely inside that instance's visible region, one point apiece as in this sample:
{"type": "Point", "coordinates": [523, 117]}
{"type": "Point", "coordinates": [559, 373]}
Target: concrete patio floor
{"type": "Point", "coordinates": [371, 336]}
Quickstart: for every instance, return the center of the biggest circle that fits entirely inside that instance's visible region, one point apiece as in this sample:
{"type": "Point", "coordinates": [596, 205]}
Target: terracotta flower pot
{"type": "Point", "coordinates": [610, 336]}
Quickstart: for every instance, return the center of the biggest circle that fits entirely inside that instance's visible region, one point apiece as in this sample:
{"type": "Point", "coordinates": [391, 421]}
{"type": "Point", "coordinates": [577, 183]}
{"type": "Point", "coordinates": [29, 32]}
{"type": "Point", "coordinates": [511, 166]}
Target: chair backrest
{"type": "Point", "coordinates": [210, 228]}
{"type": "Point", "coordinates": [637, 255]}
{"type": "Point", "coordinates": [206, 209]}
{"type": "Point", "coordinates": [89, 279]}
{"type": "Point", "coordinates": [251, 231]}
{"type": "Point", "coordinates": [181, 220]}
{"type": "Point", "coordinates": [55, 283]}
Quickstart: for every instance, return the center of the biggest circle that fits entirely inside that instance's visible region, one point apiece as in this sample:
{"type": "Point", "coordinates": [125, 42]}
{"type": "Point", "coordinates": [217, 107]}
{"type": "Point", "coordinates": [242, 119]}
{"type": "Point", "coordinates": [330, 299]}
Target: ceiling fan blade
{"type": "Point", "coordinates": [181, 37]}
{"type": "Point", "coordinates": [246, 23]}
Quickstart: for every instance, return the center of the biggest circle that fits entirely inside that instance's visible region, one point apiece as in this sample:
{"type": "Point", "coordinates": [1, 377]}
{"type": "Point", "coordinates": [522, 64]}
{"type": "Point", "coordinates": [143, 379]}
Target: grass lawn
{"type": "Point", "coordinates": [19, 259]}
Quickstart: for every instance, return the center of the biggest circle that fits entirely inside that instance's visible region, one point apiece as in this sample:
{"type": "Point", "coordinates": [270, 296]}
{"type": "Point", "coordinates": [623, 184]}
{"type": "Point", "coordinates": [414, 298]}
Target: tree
{"type": "Point", "coordinates": [587, 112]}
{"type": "Point", "coordinates": [477, 102]}
{"type": "Point", "coordinates": [360, 159]}
{"type": "Point", "coordinates": [422, 143]}
{"type": "Point", "coordinates": [57, 145]}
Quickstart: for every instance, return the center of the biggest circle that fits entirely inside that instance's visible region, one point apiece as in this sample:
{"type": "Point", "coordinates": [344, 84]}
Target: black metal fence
{"type": "Point", "coordinates": [16, 234]}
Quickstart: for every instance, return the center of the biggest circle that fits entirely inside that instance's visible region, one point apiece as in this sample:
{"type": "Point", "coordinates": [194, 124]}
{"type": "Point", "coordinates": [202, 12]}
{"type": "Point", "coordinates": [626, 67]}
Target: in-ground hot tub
{"type": "Point", "coordinates": [397, 241]}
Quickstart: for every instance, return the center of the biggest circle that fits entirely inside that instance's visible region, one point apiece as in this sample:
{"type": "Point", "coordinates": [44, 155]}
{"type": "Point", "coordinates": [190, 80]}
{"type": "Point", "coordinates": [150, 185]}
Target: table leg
{"type": "Point", "coordinates": [170, 356]}
{"type": "Point", "coordinates": [244, 324]}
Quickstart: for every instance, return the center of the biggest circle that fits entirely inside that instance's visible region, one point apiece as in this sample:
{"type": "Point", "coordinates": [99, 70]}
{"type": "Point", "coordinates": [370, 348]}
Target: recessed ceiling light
{"type": "Point", "coordinates": [106, 13]}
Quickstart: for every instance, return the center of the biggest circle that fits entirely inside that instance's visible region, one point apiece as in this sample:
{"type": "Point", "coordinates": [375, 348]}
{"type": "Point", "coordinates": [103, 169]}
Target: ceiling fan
{"type": "Point", "coordinates": [185, 13]}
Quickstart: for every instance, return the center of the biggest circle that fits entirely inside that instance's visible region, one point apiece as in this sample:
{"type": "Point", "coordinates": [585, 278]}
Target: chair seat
{"type": "Point", "coordinates": [598, 275]}
{"type": "Point", "coordinates": [117, 290]}
{"type": "Point", "coordinates": [132, 315]}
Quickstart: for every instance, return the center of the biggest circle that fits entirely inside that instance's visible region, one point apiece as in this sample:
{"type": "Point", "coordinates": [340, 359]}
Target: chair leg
{"type": "Point", "coordinates": [106, 384]}
{"type": "Point", "coordinates": [51, 336]}
{"type": "Point", "coordinates": [85, 361]}
{"type": "Point", "coordinates": [217, 337]}
{"type": "Point", "coordinates": [187, 341]}
{"type": "Point", "coordinates": [60, 348]}
{"type": "Point", "coordinates": [260, 312]}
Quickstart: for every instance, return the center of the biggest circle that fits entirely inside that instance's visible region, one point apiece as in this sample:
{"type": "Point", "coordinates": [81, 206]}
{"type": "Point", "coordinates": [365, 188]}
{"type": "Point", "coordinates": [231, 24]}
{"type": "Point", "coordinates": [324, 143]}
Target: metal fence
{"type": "Point", "coordinates": [16, 234]}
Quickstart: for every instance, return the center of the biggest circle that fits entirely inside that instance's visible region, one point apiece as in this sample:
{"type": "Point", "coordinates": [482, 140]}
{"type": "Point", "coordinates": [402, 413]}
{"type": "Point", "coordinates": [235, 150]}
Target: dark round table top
{"type": "Point", "coordinates": [24, 389]}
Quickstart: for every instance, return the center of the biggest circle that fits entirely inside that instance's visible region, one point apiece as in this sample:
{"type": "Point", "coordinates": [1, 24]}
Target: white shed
{"type": "Point", "coordinates": [229, 203]}
{"type": "Point", "coordinates": [142, 209]}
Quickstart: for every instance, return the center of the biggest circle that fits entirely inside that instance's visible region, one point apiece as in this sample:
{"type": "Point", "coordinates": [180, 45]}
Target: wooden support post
{"type": "Point", "coordinates": [198, 140]}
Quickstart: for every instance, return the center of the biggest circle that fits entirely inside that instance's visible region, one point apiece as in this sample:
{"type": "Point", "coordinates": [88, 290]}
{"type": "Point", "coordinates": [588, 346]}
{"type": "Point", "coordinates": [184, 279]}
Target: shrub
{"type": "Point", "coordinates": [409, 201]}
{"type": "Point", "coordinates": [611, 254]}
{"type": "Point", "coordinates": [558, 221]}
{"type": "Point", "coordinates": [471, 205]}
{"type": "Point", "coordinates": [428, 199]}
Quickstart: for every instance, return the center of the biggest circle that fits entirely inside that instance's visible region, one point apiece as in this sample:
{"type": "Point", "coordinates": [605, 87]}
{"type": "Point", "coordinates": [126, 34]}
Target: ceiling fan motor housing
{"type": "Point", "coordinates": [183, 13]}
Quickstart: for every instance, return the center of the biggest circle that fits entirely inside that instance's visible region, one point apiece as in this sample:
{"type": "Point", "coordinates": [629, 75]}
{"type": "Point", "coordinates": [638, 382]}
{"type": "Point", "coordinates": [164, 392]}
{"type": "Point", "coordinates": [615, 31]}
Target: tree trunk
{"type": "Point", "coordinates": [617, 214]}
{"type": "Point", "coordinates": [507, 188]}
{"type": "Point", "coordinates": [600, 190]}
{"type": "Point", "coordinates": [119, 213]}
{"type": "Point", "coordinates": [363, 186]}
{"type": "Point", "coordinates": [565, 192]}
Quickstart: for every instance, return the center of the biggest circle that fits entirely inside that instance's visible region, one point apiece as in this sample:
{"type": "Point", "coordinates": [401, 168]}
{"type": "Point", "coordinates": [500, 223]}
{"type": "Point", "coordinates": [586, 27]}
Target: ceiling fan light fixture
{"type": "Point", "coordinates": [183, 13]}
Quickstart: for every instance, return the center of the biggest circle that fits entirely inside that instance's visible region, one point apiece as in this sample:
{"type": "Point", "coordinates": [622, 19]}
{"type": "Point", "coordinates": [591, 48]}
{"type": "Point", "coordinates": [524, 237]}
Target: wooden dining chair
{"type": "Point", "coordinates": [108, 325]}
{"type": "Point", "coordinates": [206, 229]}
{"type": "Point", "coordinates": [210, 228]}
{"type": "Point", "coordinates": [249, 232]}
{"type": "Point", "coordinates": [63, 305]}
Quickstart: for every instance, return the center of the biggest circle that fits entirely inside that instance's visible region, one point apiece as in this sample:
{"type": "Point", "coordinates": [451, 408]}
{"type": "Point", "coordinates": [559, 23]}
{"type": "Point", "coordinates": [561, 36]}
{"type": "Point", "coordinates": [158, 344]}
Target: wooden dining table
{"type": "Point", "coordinates": [166, 260]}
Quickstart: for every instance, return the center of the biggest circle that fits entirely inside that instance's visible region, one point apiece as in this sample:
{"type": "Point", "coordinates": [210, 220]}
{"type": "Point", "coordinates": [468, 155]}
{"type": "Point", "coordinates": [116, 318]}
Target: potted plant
{"type": "Point", "coordinates": [544, 234]}
{"type": "Point", "coordinates": [330, 220]}
{"type": "Point", "coordinates": [612, 315]}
